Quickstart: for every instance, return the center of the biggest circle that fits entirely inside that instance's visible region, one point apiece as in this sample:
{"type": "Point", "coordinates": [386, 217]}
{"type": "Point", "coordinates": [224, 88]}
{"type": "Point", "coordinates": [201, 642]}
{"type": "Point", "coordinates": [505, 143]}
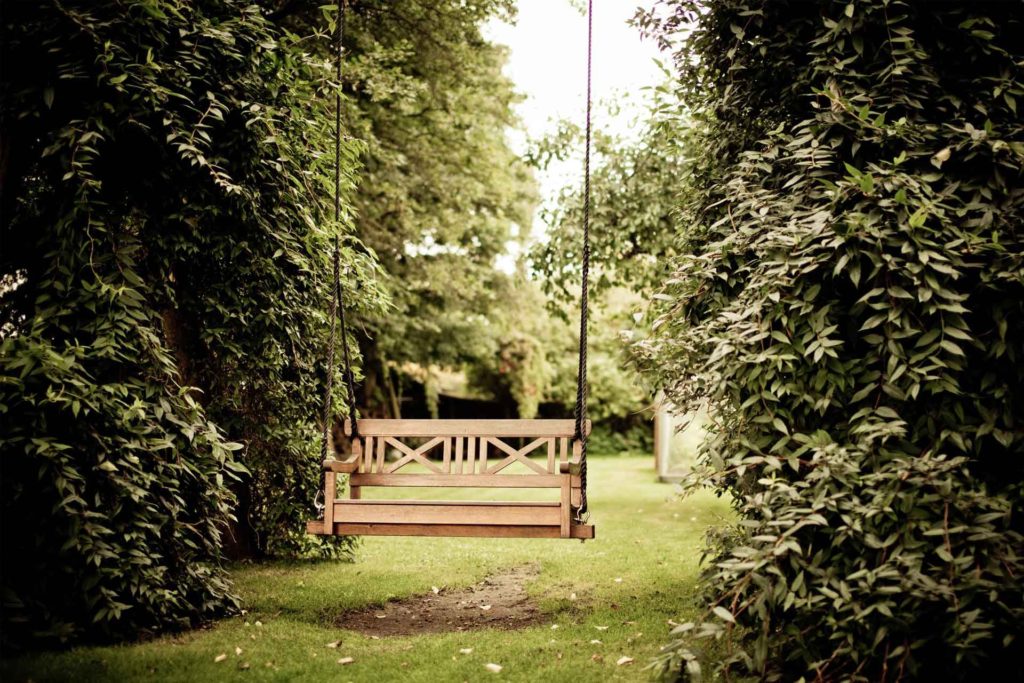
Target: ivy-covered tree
{"type": "Point", "coordinates": [162, 304]}
{"type": "Point", "coordinates": [851, 302]}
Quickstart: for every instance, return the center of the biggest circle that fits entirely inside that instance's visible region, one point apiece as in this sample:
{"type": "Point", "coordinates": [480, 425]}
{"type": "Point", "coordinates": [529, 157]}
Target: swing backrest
{"type": "Point", "coordinates": [465, 453]}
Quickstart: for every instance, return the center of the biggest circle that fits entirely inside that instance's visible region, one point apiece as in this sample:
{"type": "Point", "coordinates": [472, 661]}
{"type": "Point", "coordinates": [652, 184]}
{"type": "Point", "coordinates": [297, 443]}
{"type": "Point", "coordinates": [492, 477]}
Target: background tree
{"type": "Point", "coordinates": [442, 192]}
{"type": "Point", "coordinates": [164, 258]}
{"type": "Point", "coordinates": [635, 191]}
{"type": "Point", "coordinates": [850, 301]}
{"type": "Point", "coordinates": [635, 186]}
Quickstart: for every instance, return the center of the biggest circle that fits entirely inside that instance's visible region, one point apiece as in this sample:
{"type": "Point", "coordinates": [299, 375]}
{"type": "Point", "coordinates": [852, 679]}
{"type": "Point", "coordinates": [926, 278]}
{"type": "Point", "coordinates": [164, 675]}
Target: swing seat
{"type": "Point", "coordinates": [457, 454]}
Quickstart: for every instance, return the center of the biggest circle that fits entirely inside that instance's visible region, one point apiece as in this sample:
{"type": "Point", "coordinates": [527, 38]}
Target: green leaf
{"type": "Point", "coordinates": [723, 614]}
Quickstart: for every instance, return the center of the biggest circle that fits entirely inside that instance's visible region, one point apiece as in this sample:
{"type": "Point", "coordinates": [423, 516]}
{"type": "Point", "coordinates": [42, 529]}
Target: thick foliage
{"type": "Point", "coordinates": [853, 307]}
{"type": "Point", "coordinates": [162, 231]}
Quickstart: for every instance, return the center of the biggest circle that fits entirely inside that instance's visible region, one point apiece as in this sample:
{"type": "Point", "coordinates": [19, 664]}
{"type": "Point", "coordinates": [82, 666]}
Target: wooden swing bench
{"type": "Point", "coordinates": [467, 454]}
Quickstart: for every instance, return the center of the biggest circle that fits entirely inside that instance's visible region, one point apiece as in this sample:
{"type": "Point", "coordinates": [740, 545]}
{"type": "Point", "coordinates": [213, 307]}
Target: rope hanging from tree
{"type": "Point", "coordinates": [582, 387]}
{"type": "Point", "coordinates": [337, 309]}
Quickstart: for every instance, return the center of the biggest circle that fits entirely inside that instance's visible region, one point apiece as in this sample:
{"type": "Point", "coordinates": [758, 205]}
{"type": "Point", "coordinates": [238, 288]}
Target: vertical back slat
{"type": "Point", "coordinates": [563, 450]}
{"type": "Point", "coordinates": [471, 453]}
{"type": "Point", "coordinates": [551, 456]}
{"type": "Point", "coordinates": [381, 447]}
{"type": "Point", "coordinates": [447, 455]}
{"type": "Point", "coordinates": [482, 467]}
{"type": "Point", "coordinates": [458, 455]}
{"type": "Point", "coordinates": [366, 462]}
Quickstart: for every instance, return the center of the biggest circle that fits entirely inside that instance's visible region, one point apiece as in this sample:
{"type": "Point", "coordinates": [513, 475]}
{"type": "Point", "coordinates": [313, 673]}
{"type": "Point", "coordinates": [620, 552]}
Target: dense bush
{"type": "Point", "coordinates": [163, 288]}
{"type": "Point", "coordinates": [853, 307]}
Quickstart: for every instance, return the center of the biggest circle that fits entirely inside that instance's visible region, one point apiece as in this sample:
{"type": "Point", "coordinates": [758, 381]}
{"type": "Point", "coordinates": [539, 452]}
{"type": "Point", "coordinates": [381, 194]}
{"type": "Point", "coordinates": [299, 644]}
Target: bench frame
{"type": "Point", "coordinates": [473, 454]}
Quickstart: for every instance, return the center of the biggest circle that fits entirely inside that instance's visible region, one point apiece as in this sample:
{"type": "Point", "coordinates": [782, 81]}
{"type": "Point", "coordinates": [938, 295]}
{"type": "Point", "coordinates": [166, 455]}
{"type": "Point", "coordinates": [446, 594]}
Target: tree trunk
{"type": "Point", "coordinates": [239, 540]}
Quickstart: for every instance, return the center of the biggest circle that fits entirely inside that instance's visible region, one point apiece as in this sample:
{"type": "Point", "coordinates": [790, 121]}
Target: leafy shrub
{"type": "Point", "coordinates": [621, 437]}
{"type": "Point", "coordinates": [853, 307]}
{"type": "Point", "coordinates": [164, 254]}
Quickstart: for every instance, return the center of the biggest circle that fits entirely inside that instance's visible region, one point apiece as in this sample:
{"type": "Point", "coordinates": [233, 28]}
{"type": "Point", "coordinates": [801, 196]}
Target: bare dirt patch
{"type": "Point", "coordinates": [500, 601]}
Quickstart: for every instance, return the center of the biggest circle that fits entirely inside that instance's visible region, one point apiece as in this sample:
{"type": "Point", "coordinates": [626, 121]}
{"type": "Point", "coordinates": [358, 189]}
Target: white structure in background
{"type": "Point", "coordinates": [676, 439]}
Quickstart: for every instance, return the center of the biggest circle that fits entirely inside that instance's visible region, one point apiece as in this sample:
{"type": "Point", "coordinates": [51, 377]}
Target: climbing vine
{"type": "Point", "coordinates": [851, 302]}
{"type": "Point", "coordinates": [162, 303]}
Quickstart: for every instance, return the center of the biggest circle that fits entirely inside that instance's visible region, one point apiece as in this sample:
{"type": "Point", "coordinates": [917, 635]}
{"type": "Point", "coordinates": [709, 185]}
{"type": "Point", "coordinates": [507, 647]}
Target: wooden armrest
{"type": "Point", "coordinates": [572, 468]}
{"type": "Point", "coordinates": [341, 466]}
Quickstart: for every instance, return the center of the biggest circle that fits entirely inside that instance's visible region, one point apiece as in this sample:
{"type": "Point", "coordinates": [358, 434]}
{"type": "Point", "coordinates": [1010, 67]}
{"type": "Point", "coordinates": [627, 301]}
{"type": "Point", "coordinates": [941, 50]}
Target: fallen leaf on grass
{"type": "Point", "coordinates": [220, 658]}
{"type": "Point", "coordinates": [346, 660]}
{"type": "Point", "coordinates": [466, 651]}
{"type": "Point", "coordinates": [622, 661]}
{"type": "Point", "coordinates": [618, 579]}
{"type": "Point", "coordinates": [381, 616]}
{"type": "Point", "coordinates": [244, 666]}
{"type": "Point", "coordinates": [554, 626]}
{"type": "Point", "coordinates": [493, 668]}
{"type": "Point", "coordinates": [485, 607]}
{"type": "Point", "coordinates": [572, 596]}
{"type": "Point", "coordinates": [597, 657]}
{"type": "Point", "coordinates": [595, 641]}
{"type": "Point", "coordinates": [601, 628]}
{"type": "Point", "coordinates": [259, 623]}
{"type": "Point", "coordinates": [435, 589]}
{"type": "Point", "coordinates": [238, 651]}
{"type": "Point", "coordinates": [334, 644]}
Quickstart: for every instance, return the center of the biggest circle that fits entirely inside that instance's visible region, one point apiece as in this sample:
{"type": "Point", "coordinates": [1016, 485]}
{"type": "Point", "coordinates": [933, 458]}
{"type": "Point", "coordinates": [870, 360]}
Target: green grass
{"type": "Point", "coordinates": [644, 537]}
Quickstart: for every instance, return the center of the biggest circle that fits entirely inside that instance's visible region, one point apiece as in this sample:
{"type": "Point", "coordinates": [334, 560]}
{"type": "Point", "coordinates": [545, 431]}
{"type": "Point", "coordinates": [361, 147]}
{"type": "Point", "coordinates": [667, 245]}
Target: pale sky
{"type": "Point", "coordinates": [547, 63]}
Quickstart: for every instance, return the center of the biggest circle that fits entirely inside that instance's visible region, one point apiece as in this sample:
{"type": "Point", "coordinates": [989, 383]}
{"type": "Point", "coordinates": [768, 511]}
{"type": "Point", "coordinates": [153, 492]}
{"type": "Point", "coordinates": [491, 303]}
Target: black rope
{"type": "Point", "coordinates": [337, 309]}
{"type": "Point", "coordinates": [582, 388]}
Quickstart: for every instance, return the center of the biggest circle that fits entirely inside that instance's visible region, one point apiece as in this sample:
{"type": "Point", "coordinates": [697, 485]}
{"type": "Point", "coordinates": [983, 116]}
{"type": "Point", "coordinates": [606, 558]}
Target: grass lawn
{"type": "Point", "coordinates": [638, 574]}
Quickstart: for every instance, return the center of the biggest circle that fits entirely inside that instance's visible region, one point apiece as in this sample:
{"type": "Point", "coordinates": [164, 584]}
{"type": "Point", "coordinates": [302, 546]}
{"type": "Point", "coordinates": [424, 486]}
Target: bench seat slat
{"type": "Point", "coordinates": [455, 503]}
{"type": "Point", "coordinates": [446, 512]}
{"type": "Point", "coordinates": [579, 531]}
